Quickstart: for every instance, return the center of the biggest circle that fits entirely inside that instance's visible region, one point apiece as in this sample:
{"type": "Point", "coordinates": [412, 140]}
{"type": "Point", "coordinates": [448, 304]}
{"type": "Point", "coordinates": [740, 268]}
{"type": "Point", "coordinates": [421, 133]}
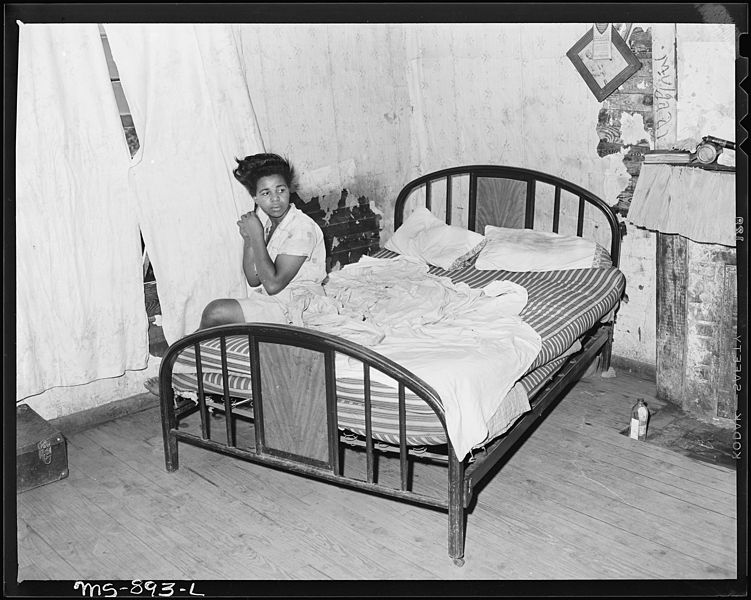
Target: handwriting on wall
{"type": "Point", "coordinates": [664, 95]}
{"type": "Point", "coordinates": [665, 86]}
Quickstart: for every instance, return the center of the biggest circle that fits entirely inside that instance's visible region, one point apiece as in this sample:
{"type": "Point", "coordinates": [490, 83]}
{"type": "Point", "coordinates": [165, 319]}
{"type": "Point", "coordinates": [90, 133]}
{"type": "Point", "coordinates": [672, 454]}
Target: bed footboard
{"type": "Point", "coordinates": [293, 379]}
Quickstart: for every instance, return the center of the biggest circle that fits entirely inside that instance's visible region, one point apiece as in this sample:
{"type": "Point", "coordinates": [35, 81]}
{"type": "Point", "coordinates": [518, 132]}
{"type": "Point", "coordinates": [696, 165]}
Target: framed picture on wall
{"type": "Point", "coordinates": [604, 76]}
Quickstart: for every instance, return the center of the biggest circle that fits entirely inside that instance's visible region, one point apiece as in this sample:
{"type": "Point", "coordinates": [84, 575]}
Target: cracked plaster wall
{"type": "Point", "coordinates": [392, 102]}
{"type": "Point", "coordinates": [369, 107]}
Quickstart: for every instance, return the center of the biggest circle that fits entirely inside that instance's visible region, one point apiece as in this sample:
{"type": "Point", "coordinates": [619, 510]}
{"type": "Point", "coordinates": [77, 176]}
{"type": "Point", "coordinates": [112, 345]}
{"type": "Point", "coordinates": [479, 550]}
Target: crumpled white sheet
{"type": "Point", "coordinates": [470, 346]}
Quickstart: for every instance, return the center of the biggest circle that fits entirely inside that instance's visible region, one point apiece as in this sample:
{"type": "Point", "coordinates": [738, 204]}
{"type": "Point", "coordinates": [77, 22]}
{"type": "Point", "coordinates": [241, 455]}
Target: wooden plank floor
{"type": "Point", "coordinates": [577, 501]}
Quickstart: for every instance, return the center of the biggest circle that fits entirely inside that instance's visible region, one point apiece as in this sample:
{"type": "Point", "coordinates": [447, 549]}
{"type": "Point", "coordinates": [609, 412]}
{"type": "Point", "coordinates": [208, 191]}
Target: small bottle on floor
{"type": "Point", "coordinates": [639, 420]}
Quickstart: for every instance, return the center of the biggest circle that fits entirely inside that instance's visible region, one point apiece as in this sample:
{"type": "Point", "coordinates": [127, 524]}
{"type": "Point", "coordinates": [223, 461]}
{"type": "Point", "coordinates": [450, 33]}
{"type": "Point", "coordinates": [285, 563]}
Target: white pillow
{"type": "Point", "coordinates": [425, 236]}
{"type": "Point", "coordinates": [528, 250]}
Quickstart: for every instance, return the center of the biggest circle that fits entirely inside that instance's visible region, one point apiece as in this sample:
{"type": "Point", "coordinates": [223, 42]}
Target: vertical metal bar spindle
{"type": "Point", "coordinates": [255, 386]}
{"type": "Point", "coordinates": [205, 431]}
{"type": "Point", "coordinates": [403, 470]}
{"type": "Point", "coordinates": [332, 419]}
{"type": "Point", "coordinates": [227, 401]}
{"type": "Point", "coordinates": [449, 209]}
{"type": "Point", "coordinates": [368, 422]}
{"type": "Point", "coordinates": [529, 211]}
{"type": "Point", "coordinates": [428, 200]}
{"type": "Point", "coordinates": [580, 221]}
{"type": "Point", "coordinates": [472, 213]}
{"type": "Point", "coordinates": [556, 209]}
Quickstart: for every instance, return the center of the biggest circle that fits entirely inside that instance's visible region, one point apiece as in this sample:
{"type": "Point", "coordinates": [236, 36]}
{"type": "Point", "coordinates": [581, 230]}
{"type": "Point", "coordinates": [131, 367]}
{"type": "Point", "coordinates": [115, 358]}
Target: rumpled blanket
{"type": "Point", "coordinates": [470, 345]}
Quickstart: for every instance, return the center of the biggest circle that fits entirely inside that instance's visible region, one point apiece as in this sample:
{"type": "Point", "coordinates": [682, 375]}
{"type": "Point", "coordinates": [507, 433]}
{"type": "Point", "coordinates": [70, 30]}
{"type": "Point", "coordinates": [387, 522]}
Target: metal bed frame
{"type": "Point", "coordinates": [315, 447]}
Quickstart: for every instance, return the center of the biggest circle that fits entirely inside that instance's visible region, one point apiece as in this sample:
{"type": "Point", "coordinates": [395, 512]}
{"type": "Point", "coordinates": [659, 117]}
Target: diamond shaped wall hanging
{"type": "Point", "coordinates": [603, 75]}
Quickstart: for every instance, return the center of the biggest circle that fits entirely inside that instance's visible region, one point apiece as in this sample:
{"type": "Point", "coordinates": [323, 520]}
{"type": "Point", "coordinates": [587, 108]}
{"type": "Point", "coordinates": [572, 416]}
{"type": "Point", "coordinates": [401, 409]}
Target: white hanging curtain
{"type": "Point", "coordinates": [79, 281]}
{"type": "Point", "coordinates": [187, 92]}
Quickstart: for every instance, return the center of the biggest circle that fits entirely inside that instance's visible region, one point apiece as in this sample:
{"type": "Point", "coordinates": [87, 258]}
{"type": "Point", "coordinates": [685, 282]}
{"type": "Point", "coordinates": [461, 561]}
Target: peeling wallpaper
{"type": "Point", "coordinates": [369, 107]}
{"type": "Point", "coordinates": [402, 100]}
{"type": "Point", "coordinates": [399, 101]}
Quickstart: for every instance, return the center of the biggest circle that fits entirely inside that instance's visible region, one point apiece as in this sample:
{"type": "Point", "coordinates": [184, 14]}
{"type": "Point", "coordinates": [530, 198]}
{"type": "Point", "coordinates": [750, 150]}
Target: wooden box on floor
{"type": "Point", "coordinates": [41, 453]}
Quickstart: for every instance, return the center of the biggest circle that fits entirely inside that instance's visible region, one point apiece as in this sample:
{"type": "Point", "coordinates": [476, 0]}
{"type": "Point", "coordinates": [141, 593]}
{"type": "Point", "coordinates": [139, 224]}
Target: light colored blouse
{"type": "Point", "coordinates": [299, 235]}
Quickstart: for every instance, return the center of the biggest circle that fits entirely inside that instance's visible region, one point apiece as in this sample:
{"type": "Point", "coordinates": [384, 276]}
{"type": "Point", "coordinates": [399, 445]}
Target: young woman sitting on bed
{"type": "Point", "coordinates": [284, 256]}
{"type": "Point", "coordinates": [283, 248]}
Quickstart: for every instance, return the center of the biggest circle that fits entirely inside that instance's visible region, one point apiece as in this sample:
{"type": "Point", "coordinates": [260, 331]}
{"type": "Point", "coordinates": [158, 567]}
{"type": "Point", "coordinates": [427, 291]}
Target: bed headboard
{"type": "Point", "coordinates": [478, 195]}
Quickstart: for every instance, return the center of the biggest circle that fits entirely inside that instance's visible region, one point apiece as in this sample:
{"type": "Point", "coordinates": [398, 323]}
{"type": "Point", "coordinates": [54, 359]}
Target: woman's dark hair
{"type": "Point", "coordinates": [252, 168]}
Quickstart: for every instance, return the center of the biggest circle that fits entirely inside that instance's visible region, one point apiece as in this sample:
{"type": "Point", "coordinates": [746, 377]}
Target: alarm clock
{"type": "Point", "coordinates": [710, 148]}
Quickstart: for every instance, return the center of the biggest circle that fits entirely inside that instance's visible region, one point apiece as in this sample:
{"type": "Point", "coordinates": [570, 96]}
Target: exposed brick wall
{"type": "Point", "coordinates": [350, 230]}
{"type": "Point", "coordinates": [634, 97]}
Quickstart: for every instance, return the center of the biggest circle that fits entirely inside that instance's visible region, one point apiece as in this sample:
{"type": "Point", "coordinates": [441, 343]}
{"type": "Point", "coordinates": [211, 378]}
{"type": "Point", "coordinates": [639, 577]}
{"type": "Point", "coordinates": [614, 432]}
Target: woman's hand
{"type": "Point", "coordinates": [250, 226]}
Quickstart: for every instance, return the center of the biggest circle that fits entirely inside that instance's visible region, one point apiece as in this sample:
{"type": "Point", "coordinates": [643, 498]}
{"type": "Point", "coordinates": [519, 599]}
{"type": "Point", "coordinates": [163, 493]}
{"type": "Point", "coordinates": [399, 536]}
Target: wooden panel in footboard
{"type": "Point", "coordinates": [295, 421]}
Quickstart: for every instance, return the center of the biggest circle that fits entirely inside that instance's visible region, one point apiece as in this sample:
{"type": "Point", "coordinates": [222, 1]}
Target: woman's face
{"type": "Point", "coordinates": [272, 195]}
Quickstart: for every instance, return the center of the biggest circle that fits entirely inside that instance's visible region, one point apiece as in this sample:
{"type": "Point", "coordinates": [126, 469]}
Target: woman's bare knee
{"type": "Point", "coordinates": [224, 311]}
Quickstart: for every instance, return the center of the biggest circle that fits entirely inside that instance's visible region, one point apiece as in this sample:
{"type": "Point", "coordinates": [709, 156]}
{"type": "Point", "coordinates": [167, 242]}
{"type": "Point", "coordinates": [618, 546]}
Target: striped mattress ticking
{"type": "Point", "coordinates": [561, 307]}
{"type": "Point", "coordinates": [422, 425]}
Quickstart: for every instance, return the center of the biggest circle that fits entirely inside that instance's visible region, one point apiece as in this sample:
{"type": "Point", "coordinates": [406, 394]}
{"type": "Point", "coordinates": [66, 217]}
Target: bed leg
{"type": "Point", "coordinates": [606, 351]}
{"type": "Point", "coordinates": [456, 509]}
{"type": "Point", "coordinates": [169, 422]}
{"type": "Point", "coordinates": [171, 458]}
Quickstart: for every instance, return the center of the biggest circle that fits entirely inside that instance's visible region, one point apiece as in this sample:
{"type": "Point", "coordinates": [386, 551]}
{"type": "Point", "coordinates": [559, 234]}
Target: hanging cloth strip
{"type": "Point", "coordinates": [186, 89]}
{"type": "Point", "coordinates": [79, 284]}
{"type": "Point", "coordinates": [696, 203]}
